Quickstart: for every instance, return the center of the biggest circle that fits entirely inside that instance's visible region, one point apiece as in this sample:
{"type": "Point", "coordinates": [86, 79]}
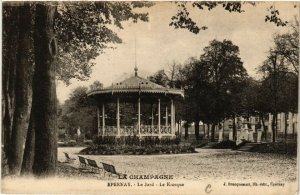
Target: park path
{"type": "Point", "coordinates": [212, 164]}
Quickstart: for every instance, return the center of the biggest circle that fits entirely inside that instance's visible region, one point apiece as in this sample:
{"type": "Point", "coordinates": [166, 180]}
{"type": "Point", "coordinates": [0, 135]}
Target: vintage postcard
{"type": "Point", "coordinates": [156, 97]}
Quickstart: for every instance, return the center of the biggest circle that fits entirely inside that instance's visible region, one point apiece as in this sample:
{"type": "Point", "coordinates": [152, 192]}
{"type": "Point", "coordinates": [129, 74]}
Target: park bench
{"type": "Point", "coordinates": [68, 159]}
{"type": "Point", "coordinates": [93, 165]}
{"type": "Point", "coordinates": [112, 170]}
{"type": "Point", "coordinates": [82, 161]}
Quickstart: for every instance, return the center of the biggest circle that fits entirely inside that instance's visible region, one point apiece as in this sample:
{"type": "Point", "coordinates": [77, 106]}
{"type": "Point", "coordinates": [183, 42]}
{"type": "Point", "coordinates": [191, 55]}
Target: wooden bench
{"type": "Point", "coordinates": [68, 159]}
{"type": "Point", "coordinates": [82, 161]}
{"type": "Point", "coordinates": [93, 165]}
{"type": "Point", "coordinates": [112, 170]}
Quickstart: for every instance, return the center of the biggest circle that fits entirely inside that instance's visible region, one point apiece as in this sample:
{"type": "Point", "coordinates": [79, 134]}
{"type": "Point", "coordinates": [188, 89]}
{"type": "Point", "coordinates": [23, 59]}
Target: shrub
{"type": "Point", "coordinates": [192, 149]}
{"type": "Point", "coordinates": [135, 140]}
{"type": "Point", "coordinates": [177, 140]}
{"type": "Point", "coordinates": [106, 149]}
{"type": "Point", "coordinates": [225, 145]}
{"type": "Point", "coordinates": [277, 147]}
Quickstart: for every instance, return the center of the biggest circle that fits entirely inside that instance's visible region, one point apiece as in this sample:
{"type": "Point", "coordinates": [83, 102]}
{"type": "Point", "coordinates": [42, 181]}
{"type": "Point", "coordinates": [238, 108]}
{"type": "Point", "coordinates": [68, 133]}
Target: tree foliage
{"type": "Point", "coordinates": [219, 76]}
{"type": "Point", "coordinates": [85, 30]}
{"type": "Point", "coordinates": [78, 112]}
{"type": "Point", "coordinates": [183, 20]}
{"type": "Point", "coordinates": [287, 45]}
{"type": "Point", "coordinates": [160, 78]}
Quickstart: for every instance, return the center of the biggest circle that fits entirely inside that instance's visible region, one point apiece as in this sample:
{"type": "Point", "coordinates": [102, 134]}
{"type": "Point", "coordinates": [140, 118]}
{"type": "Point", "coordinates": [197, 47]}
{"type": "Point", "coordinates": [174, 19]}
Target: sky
{"type": "Point", "coordinates": [158, 44]}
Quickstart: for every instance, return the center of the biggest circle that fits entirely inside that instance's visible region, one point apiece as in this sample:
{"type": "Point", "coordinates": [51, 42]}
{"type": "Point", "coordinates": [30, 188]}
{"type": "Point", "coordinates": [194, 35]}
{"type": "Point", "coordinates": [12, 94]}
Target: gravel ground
{"type": "Point", "coordinates": [207, 164]}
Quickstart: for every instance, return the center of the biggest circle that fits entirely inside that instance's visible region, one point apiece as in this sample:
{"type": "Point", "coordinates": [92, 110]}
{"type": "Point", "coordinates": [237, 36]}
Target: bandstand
{"type": "Point", "coordinates": [153, 108]}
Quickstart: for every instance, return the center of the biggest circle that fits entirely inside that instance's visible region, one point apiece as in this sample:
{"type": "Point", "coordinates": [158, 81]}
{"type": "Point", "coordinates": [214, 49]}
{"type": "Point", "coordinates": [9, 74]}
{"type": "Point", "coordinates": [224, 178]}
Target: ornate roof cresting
{"type": "Point", "coordinates": [136, 84]}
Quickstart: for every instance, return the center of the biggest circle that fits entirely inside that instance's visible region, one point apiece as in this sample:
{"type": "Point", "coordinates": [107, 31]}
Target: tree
{"type": "Point", "coordinates": [252, 101]}
{"type": "Point", "coordinates": [274, 71]}
{"type": "Point", "coordinates": [193, 79]}
{"type": "Point", "coordinates": [76, 112]}
{"type": "Point", "coordinates": [178, 76]}
{"type": "Point", "coordinates": [44, 92]}
{"type": "Point", "coordinates": [182, 18]}
{"type": "Point", "coordinates": [96, 85]}
{"type": "Point", "coordinates": [218, 71]}
{"type": "Point", "coordinates": [280, 74]}
{"type": "Point", "coordinates": [184, 78]}
{"type": "Point", "coordinates": [22, 90]}
{"type": "Point", "coordinates": [160, 78]}
{"type": "Point", "coordinates": [280, 86]}
{"type": "Point", "coordinates": [287, 45]}
{"type": "Point", "coordinates": [184, 107]}
{"type": "Point", "coordinates": [40, 148]}
{"type": "Point", "coordinates": [173, 73]}
{"type": "Point", "coordinates": [84, 31]}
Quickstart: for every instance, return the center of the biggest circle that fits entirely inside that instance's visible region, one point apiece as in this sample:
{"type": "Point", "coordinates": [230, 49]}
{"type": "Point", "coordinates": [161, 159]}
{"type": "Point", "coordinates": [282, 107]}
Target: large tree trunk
{"type": "Point", "coordinates": [223, 130]}
{"type": "Point", "coordinates": [204, 131]}
{"type": "Point", "coordinates": [186, 130]}
{"type": "Point", "coordinates": [44, 94]}
{"type": "Point", "coordinates": [208, 126]}
{"type": "Point", "coordinates": [265, 130]}
{"type": "Point", "coordinates": [179, 129]}
{"type": "Point", "coordinates": [285, 126]}
{"type": "Point", "coordinates": [274, 127]}
{"type": "Point", "coordinates": [294, 134]}
{"type": "Point", "coordinates": [197, 130]}
{"type": "Point", "coordinates": [28, 157]}
{"type": "Point", "coordinates": [10, 48]}
{"type": "Point", "coordinates": [22, 93]}
{"type": "Point", "coordinates": [234, 128]}
{"type": "Point", "coordinates": [212, 139]}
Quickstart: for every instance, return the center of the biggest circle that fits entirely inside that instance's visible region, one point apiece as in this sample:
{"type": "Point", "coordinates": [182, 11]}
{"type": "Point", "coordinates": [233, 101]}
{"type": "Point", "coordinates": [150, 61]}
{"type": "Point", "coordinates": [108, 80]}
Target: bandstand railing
{"type": "Point", "coordinates": [145, 130]}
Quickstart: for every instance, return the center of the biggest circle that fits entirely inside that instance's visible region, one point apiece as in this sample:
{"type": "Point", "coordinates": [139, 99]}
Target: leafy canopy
{"type": "Point", "coordinates": [85, 29]}
{"type": "Point", "coordinates": [216, 79]}
{"type": "Point", "coordinates": [182, 18]}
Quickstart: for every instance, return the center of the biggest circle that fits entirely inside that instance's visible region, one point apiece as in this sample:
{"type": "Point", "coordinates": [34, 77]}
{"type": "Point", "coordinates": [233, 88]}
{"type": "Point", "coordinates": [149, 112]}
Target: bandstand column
{"type": "Point", "coordinates": [98, 120]}
{"type": "Point", "coordinates": [290, 127]}
{"type": "Point", "coordinates": [139, 117]}
{"type": "Point", "coordinates": [158, 125]}
{"type": "Point", "coordinates": [118, 116]}
{"type": "Point", "coordinates": [166, 116]}
{"type": "Point", "coordinates": [172, 117]}
{"type": "Point", "coordinates": [152, 117]}
{"type": "Point", "coordinates": [103, 119]}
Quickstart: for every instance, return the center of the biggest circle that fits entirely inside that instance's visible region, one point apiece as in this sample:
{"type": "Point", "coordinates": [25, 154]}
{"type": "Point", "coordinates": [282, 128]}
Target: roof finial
{"type": "Point", "coordinates": [135, 71]}
{"type": "Point", "coordinates": [135, 66]}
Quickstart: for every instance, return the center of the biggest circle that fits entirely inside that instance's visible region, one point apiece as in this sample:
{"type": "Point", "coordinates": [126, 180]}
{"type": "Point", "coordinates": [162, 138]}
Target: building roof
{"type": "Point", "coordinates": [136, 84]}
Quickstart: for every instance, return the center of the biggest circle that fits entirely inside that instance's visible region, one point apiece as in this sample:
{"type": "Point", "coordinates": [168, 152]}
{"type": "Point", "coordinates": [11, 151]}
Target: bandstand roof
{"type": "Point", "coordinates": [136, 84]}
